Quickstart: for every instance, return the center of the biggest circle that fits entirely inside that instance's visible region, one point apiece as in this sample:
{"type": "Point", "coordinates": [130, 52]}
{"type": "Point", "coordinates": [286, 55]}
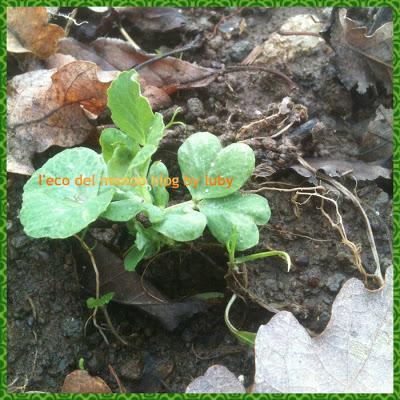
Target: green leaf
{"type": "Point", "coordinates": [142, 157]}
{"type": "Point", "coordinates": [156, 131]}
{"type": "Point", "coordinates": [220, 172]}
{"type": "Point", "coordinates": [133, 258]}
{"type": "Point", "coordinates": [195, 157]}
{"type": "Point", "coordinates": [236, 212]}
{"type": "Point", "coordinates": [91, 302]}
{"type": "Point", "coordinates": [130, 111]}
{"type": "Point", "coordinates": [124, 210]}
{"type": "Point", "coordinates": [62, 211]}
{"type": "Point", "coordinates": [181, 223]}
{"type": "Point", "coordinates": [153, 213]}
{"type": "Point", "coordinates": [157, 173]}
{"type": "Point", "coordinates": [110, 139]}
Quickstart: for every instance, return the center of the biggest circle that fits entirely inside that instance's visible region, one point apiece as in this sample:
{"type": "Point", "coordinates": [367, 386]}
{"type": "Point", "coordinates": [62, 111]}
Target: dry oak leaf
{"type": "Point", "coordinates": [158, 79]}
{"type": "Point", "coordinates": [28, 30]}
{"type": "Point", "coordinates": [79, 381]}
{"type": "Point", "coordinates": [217, 379]}
{"type": "Point", "coordinates": [354, 354]}
{"type": "Point", "coordinates": [47, 107]}
{"type": "Point", "coordinates": [362, 59]}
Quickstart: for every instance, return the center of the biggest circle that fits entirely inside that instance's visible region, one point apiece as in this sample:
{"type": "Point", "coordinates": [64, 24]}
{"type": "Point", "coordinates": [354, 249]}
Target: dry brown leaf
{"type": "Point", "coordinates": [154, 19]}
{"type": "Point", "coordinates": [336, 168]}
{"type": "Point", "coordinates": [28, 30]}
{"type": "Point", "coordinates": [159, 79]}
{"type": "Point", "coordinates": [79, 381]}
{"type": "Point", "coordinates": [46, 108]}
{"type": "Point", "coordinates": [362, 59]}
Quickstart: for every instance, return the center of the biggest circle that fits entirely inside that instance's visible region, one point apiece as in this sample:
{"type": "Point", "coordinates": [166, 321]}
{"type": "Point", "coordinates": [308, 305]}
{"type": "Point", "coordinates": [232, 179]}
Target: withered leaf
{"type": "Point", "coordinates": [28, 30]}
{"type": "Point", "coordinates": [353, 355]}
{"type": "Point", "coordinates": [337, 168]}
{"type": "Point", "coordinates": [377, 143]}
{"type": "Point", "coordinates": [363, 59]}
{"type": "Point", "coordinates": [79, 381]}
{"type": "Point", "coordinates": [158, 79]}
{"type": "Point", "coordinates": [127, 288]}
{"type": "Point", "coordinates": [217, 379]}
{"type": "Point", "coordinates": [154, 19]}
{"type": "Point", "coordinates": [46, 107]}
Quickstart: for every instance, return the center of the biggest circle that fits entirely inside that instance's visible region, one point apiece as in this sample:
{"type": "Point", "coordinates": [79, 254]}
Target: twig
{"type": "Point", "coordinates": [291, 33]}
{"type": "Point", "coordinates": [121, 387]}
{"type": "Point", "coordinates": [196, 43]}
{"type": "Point", "coordinates": [125, 34]}
{"type": "Point", "coordinates": [295, 189]}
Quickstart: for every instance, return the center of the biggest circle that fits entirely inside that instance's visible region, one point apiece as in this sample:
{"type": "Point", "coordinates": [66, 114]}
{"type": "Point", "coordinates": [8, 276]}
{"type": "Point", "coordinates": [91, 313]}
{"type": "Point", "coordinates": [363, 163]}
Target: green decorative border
{"type": "Point", "coordinates": [198, 3]}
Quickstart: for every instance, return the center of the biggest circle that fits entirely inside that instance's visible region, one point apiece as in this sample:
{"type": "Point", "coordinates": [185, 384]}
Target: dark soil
{"type": "Point", "coordinates": [46, 300]}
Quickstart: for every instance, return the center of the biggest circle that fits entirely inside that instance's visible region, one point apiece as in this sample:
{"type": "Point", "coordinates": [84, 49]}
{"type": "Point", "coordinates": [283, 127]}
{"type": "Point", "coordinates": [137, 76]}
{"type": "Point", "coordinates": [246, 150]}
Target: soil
{"type": "Point", "coordinates": [47, 302]}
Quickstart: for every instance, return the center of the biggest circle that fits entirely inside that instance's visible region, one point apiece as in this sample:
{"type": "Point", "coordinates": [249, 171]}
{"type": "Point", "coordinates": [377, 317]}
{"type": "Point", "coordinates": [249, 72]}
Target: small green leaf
{"type": "Point", "coordinates": [117, 165]}
{"type": "Point", "coordinates": [234, 164]}
{"type": "Point", "coordinates": [133, 258]}
{"type": "Point", "coordinates": [130, 111]}
{"type": "Point", "coordinates": [91, 302]}
{"type": "Point", "coordinates": [143, 156]}
{"type": "Point", "coordinates": [195, 157]}
{"type": "Point", "coordinates": [110, 139]}
{"type": "Point", "coordinates": [157, 173]}
{"type": "Point", "coordinates": [156, 131]}
{"type": "Point", "coordinates": [219, 172]}
{"type": "Point", "coordinates": [182, 223]}
{"type": "Point", "coordinates": [124, 210]}
{"type": "Point", "coordinates": [153, 213]}
{"type": "Point", "coordinates": [236, 212]}
{"type": "Point", "coordinates": [62, 211]}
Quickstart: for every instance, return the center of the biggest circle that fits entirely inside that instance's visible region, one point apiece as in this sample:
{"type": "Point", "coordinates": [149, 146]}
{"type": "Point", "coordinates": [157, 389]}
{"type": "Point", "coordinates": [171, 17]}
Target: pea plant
{"type": "Point", "coordinates": [78, 186]}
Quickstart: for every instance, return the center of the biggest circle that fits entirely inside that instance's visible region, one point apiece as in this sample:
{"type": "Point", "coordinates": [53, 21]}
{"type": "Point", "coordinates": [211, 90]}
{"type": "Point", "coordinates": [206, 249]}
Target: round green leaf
{"type": "Point", "coordinates": [157, 173]}
{"type": "Point", "coordinates": [236, 212]}
{"type": "Point", "coordinates": [217, 172]}
{"type": "Point", "coordinates": [182, 223]}
{"type": "Point", "coordinates": [124, 210]}
{"type": "Point", "coordinates": [62, 211]}
{"type": "Point", "coordinates": [195, 157]}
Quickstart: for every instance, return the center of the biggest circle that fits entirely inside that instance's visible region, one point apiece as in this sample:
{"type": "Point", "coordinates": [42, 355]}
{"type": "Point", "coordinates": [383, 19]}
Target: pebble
{"type": "Point", "coordinates": [19, 241]}
{"type": "Point", "coordinates": [333, 283]}
{"type": "Point", "coordinates": [195, 107]}
{"type": "Point", "coordinates": [72, 327]}
{"type": "Point", "coordinates": [132, 368]}
{"type": "Point", "coordinates": [240, 50]}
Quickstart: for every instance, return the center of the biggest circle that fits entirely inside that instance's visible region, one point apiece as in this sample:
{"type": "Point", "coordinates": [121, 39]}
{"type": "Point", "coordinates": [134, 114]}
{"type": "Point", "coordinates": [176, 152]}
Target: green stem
{"type": "Point", "coordinates": [272, 253]}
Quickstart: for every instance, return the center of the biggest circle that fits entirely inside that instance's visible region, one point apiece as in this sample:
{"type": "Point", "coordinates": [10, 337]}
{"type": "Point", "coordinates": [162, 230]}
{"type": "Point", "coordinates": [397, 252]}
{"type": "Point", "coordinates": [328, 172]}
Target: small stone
{"type": "Point", "coordinates": [240, 50]}
{"type": "Point", "coordinates": [333, 283]}
{"type": "Point", "coordinates": [195, 107]}
{"type": "Point", "coordinates": [133, 368]}
{"type": "Point", "coordinates": [72, 327]}
{"type": "Point", "coordinates": [19, 241]}
{"type": "Point", "coordinates": [212, 119]}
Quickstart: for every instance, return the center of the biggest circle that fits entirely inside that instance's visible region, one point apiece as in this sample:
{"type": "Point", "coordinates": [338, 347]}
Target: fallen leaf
{"type": "Point", "coordinates": [28, 30]}
{"type": "Point", "coordinates": [363, 59]}
{"type": "Point", "coordinates": [217, 379]}
{"type": "Point", "coordinates": [46, 107]}
{"type": "Point", "coordinates": [79, 381]}
{"type": "Point", "coordinates": [128, 289]}
{"type": "Point", "coordinates": [154, 20]}
{"type": "Point", "coordinates": [353, 355]}
{"type": "Point", "coordinates": [282, 48]}
{"type": "Point", "coordinates": [167, 75]}
{"type": "Point", "coordinates": [337, 168]}
{"type": "Point", "coordinates": [377, 143]}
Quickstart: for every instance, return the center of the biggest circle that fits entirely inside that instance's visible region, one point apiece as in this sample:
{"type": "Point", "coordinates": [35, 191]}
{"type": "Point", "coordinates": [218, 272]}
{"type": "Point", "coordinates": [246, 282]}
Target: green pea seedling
{"type": "Point", "coordinates": [127, 150]}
